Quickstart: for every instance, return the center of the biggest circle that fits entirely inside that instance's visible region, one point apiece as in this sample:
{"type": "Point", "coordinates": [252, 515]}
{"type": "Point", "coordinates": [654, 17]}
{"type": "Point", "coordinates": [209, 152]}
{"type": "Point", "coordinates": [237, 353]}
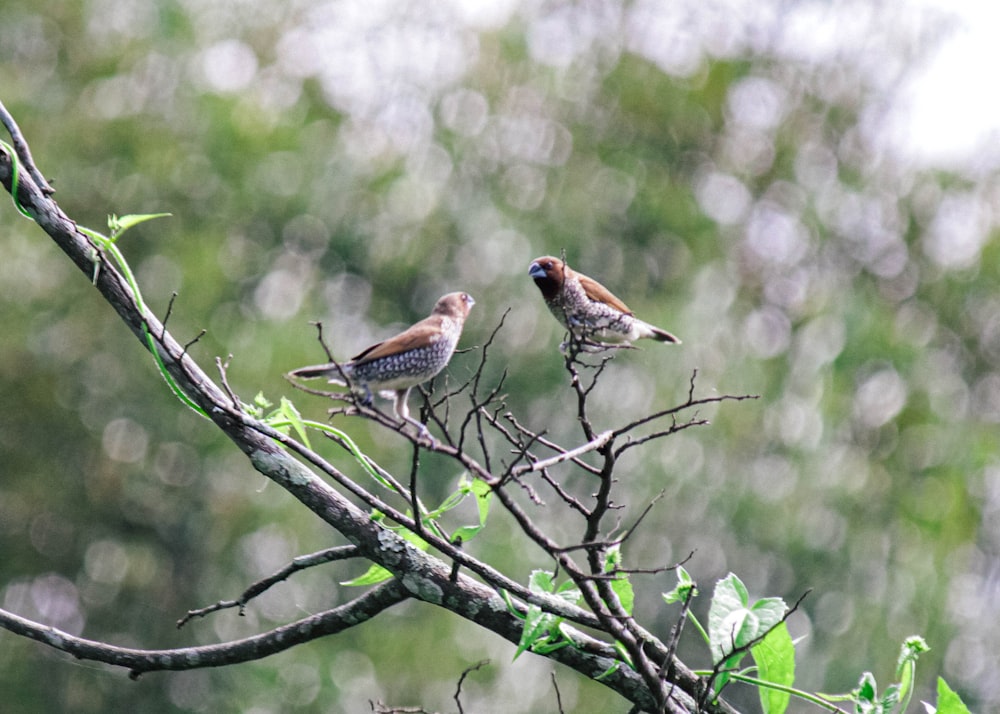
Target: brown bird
{"type": "Point", "coordinates": [591, 313]}
{"type": "Point", "coordinates": [393, 367]}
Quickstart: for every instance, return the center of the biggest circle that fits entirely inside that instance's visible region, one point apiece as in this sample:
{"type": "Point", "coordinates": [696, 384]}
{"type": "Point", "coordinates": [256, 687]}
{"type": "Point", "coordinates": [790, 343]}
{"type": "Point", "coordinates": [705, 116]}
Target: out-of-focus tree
{"type": "Point", "coordinates": [723, 168]}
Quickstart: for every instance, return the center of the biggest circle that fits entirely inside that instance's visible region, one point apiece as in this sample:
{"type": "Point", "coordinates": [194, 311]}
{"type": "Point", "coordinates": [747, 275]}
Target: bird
{"type": "Point", "coordinates": [593, 315]}
{"type": "Point", "coordinates": [394, 366]}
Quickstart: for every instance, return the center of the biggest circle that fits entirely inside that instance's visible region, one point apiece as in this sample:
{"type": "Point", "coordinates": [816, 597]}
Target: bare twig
{"type": "Point", "coordinates": [261, 586]}
{"type": "Point", "coordinates": [555, 686]}
{"type": "Point", "coordinates": [223, 367]}
{"type": "Point", "coordinates": [190, 343]}
{"type": "Point", "coordinates": [540, 438]}
{"type": "Point", "coordinates": [170, 311]}
{"type": "Point", "coordinates": [458, 690]}
{"type": "Point", "coordinates": [596, 443]}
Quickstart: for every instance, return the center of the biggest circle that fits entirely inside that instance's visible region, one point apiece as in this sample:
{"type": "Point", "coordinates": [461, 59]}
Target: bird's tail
{"type": "Point", "coordinates": [663, 336]}
{"type": "Point", "coordinates": [331, 372]}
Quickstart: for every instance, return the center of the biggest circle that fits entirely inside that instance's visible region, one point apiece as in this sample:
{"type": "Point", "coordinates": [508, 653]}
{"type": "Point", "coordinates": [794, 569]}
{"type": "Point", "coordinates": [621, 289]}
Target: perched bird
{"type": "Point", "coordinates": [393, 367]}
{"type": "Point", "coordinates": [591, 313]}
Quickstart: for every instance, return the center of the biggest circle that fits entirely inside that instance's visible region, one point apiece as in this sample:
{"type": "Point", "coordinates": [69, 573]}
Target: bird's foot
{"type": "Point", "coordinates": [587, 345]}
{"type": "Point", "coordinates": [423, 433]}
{"type": "Point", "coordinates": [365, 398]}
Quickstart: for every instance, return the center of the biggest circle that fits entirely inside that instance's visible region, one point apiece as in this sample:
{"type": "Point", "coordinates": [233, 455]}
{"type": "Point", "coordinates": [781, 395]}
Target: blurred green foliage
{"type": "Point", "coordinates": [350, 162]}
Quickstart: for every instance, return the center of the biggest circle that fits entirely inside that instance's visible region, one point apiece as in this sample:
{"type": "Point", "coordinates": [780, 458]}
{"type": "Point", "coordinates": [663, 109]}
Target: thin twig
{"type": "Point", "coordinates": [592, 445]}
{"type": "Point", "coordinates": [170, 311]}
{"type": "Point", "coordinates": [302, 562]}
{"type": "Point", "coordinates": [458, 690]}
{"type": "Point", "coordinates": [555, 686]}
{"type": "Point", "coordinates": [223, 367]}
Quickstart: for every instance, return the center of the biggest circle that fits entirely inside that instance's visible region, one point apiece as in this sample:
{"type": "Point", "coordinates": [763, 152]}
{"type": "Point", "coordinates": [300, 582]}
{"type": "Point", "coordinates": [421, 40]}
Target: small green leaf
{"type": "Point", "coordinates": [726, 616]}
{"type": "Point", "coordinates": [465, 533]}
{"type": "Point", "coordinates": [541, 581]}
{"type": "Point", "coordinates": [685, 584]}
{"type": "Point", "coordinates": [484, 494]}
{"type": "Point", "coordinates": [948, 702]}
{"type": "Point", "coordinates": [290, 413]}
{"type": "Point", "coordinates": [775, 659]}
{"type": "Point", "coordinates": [117, 225]}
{"type": "Point", "coordinates": [733, 623]}
{"type": "Point", "coordinates": [453, 499]}
{"type": "Point", "coordinates": [536, 626]}
{"type": "Point", "coordinates": [569, 592]}
{"type": "Point", "coordinates": [373, 576]}
{"type": "Point", "coordinates": [621, 584]}
{"type": "Point", "coordinates": [542, 631]}
{"type": "Point", "coordinates": [623, 654]}
{"type": "Point", "coordinates": [376, 573]}
{"type": "Point", "coordinates": [890, 699]}
{"type": "Point", "coordinates": [865, 694]}
{"type": "Point", "coordinates": [769, 611]}
{"type": "Point", "coordinates": [414, 540]}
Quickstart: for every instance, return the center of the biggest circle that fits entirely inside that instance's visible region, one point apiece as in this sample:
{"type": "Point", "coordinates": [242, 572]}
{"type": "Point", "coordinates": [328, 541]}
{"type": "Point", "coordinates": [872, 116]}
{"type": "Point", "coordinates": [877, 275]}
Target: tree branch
{"type": "Point", "coordinates": [251, 648]}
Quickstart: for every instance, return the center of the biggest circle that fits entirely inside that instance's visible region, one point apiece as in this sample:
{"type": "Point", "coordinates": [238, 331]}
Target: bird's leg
{"type": "Point", "coordinates": [402, 410]}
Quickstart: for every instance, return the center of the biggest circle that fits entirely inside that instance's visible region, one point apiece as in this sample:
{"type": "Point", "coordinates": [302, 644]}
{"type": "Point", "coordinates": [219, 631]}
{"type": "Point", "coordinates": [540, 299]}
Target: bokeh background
{"type": "Point", "coordinates": [727, 168]}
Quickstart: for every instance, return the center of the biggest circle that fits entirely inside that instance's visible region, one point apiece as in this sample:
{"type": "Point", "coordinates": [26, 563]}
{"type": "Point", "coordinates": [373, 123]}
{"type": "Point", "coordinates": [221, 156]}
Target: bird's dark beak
{"type": "Point", "coordinates": [536, 271]}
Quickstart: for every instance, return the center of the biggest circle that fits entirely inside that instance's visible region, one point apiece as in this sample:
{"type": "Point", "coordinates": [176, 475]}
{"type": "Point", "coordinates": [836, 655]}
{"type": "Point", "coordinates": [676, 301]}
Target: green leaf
{"type": "Point", "coordinates": [733, 623]}
{"type": "Point", "coordinates": [890, 699]}
{"type": "Point", "coordinates": [536, 627]}
{"type": "Point", "coordinates": [542, 631]}
{"type": "Point", "coordinates": [541, 581]}
{"type": "Point", "coordinates": [376, 573]}
{"type": "Point", "coordinates": [621, 584]}
{"type": "Point", "coordinates": [453, 499]}
{"type": "Point", "coordinates": [373, 576]}
{"type": "Point", "coordinates": [623, 654]}
{"type": "Point", "coordinates": [948, 702]}
{"type": "Point", "coordinates": [465, 533]}
{"type": "Point", "coordinates": [290, 413]}
{"type": "Point", "coordinates": [775, 659]}
{"type": "Point", "coordinates": [726, 615]}
{"type": "Point", "coordinates": [866, 692]}
{"type": "Point", "coordinates": [685, 584]}
{"type": "Point", "coordinates": [727, 620]}
{"type": "Point", "coordinates": [484, 495]}
{"type": "Point", "coordinates": [769, 611]}
{"type": "Point", "coordinates": [117, 225]}
{"type": "Point", "coordinates": [569, 592]}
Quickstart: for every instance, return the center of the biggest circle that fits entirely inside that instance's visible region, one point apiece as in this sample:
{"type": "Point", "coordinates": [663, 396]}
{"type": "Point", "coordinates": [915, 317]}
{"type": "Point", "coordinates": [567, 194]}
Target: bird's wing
{"type": "Point", "coordinates": [423, 333]}
{"type": "Point", "coordinates": [598, 293]}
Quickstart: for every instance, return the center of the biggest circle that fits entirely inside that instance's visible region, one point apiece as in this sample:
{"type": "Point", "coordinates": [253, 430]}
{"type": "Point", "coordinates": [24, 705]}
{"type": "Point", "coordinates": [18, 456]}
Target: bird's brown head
{"type": "Point", "coordinates": [454, 305]}
{"type": "Point", "coordinates": [549, 274]}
